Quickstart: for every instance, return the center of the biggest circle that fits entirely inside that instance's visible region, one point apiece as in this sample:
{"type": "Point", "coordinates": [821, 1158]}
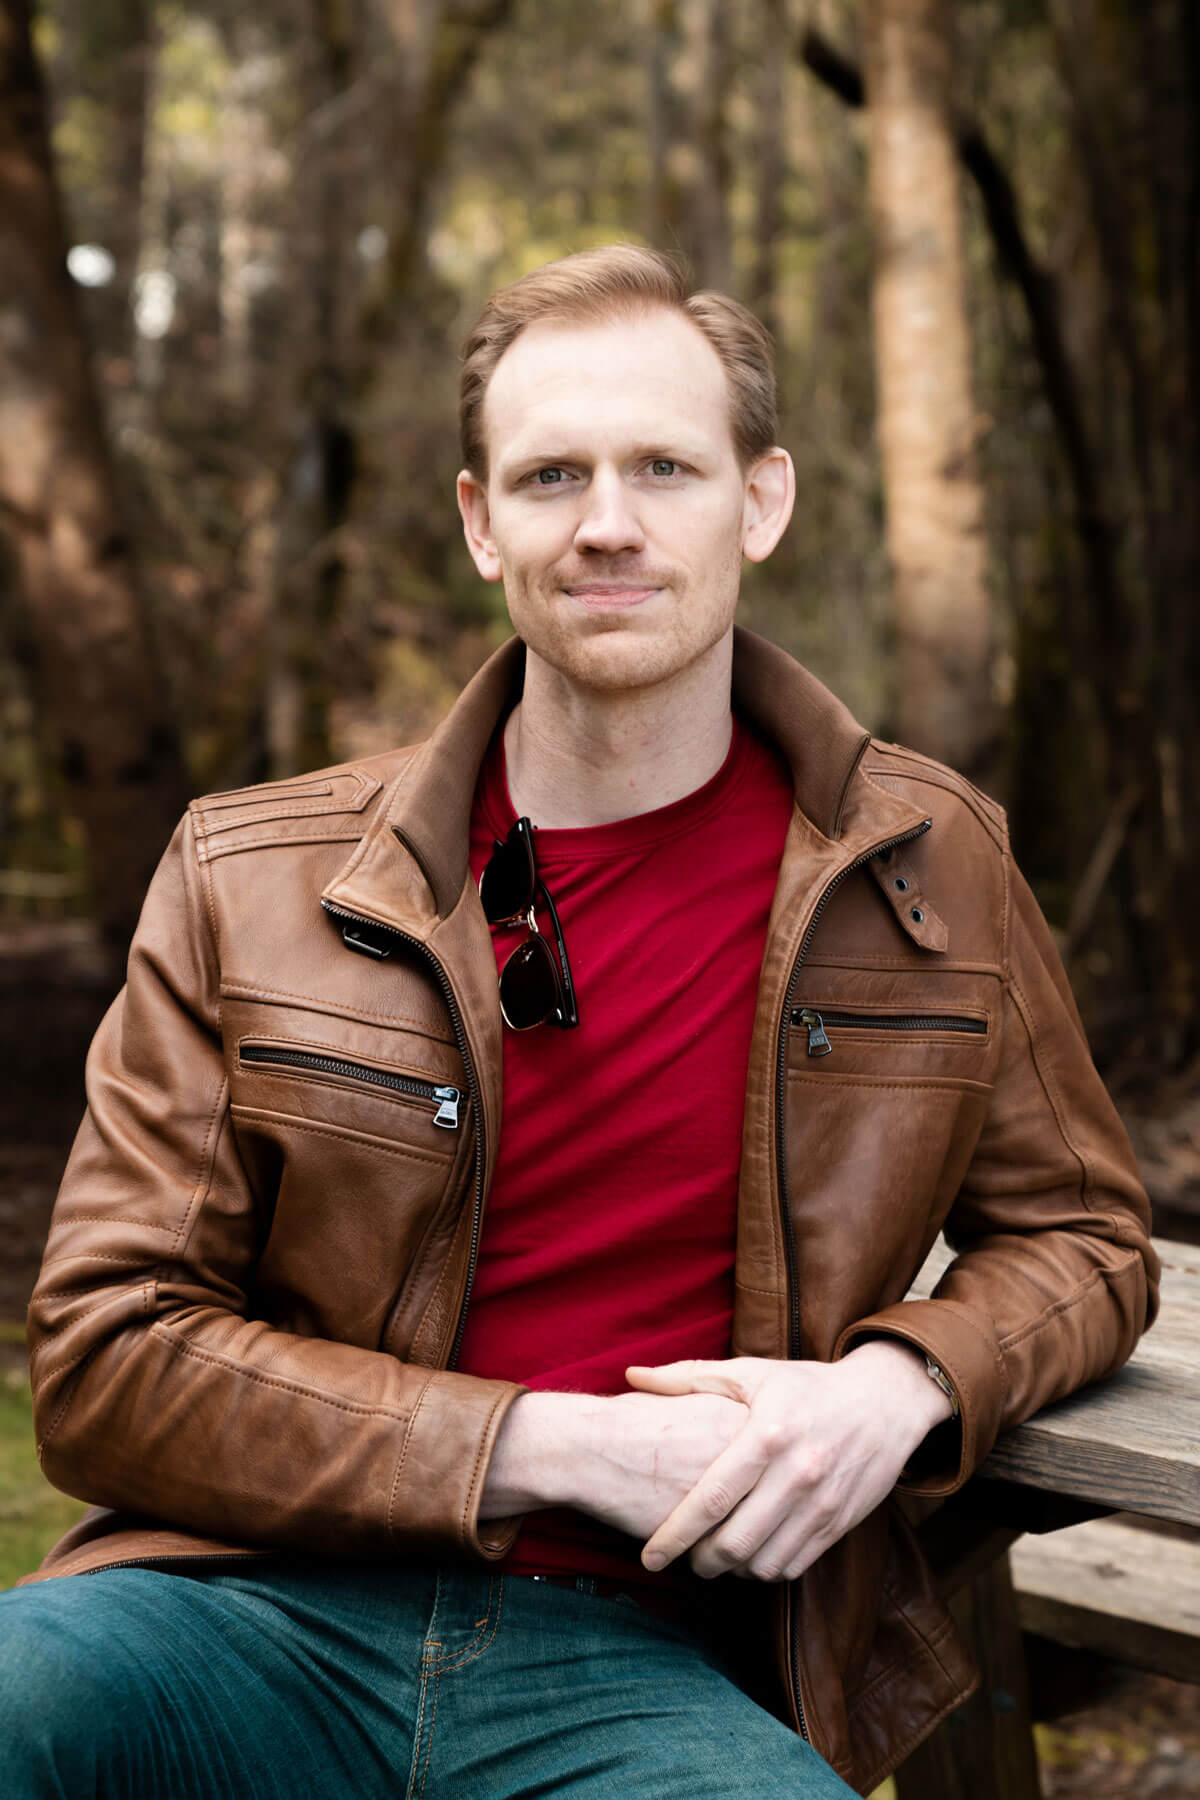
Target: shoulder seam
{"type": "Point", "coordinates": [990, 815]}
{"type": "Point", "coordinates": [261, 802]}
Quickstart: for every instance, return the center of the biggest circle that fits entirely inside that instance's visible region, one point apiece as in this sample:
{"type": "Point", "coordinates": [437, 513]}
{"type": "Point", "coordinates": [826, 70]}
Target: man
{"type": "Point", "coordinates": [507, 1161]}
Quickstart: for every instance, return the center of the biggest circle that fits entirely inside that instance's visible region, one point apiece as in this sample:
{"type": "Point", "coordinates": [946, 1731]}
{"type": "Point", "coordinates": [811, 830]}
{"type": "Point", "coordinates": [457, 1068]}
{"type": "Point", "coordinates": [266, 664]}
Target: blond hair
{"type": "Point", "coordinates": [619, 279]}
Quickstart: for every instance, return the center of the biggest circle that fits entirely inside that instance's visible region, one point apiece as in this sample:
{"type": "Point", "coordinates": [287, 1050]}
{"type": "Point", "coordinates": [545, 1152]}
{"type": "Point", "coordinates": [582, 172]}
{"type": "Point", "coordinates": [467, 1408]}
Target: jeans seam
{"type": "Point", "coordinates": [428, 1666]}
{"type": "Point", "coordinates": [437, 1684]}
{"type": "Point", "coordinates": [476, 1647]}
{"type": "Point", "coordinates": [422, 1739]}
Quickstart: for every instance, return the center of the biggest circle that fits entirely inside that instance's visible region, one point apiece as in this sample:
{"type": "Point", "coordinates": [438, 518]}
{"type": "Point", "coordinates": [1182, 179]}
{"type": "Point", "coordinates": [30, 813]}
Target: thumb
{"type": "Point", "coordinates": [689, 1377]}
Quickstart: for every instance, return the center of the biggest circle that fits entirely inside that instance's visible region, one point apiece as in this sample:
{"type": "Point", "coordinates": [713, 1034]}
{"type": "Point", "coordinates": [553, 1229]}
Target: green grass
{"type": "Point", "coordinates": [32, 1513]}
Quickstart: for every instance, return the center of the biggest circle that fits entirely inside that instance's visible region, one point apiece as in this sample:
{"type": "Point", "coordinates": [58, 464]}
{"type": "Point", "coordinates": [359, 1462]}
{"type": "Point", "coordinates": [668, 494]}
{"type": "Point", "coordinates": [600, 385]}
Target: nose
{"type": "Point", "coordinates": [610, 521]}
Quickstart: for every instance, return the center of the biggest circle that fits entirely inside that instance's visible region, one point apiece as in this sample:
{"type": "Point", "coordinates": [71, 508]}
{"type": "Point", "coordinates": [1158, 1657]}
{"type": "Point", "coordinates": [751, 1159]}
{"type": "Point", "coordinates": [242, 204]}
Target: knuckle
{"type": "Point", "coordinates": [824, 1505]}
{"type": "Point", "coordinates": [823, 1522]}
{"type": "Point", "coordinates": [717, 1500]}
{"type": "Point", "coordinates": [737, 1547]}
{"type": "Point", "coordinates": [765, 1568]}
{"type": "Point", "coordinates": [810, 1467]}
{"type": "Point", "coordinates": [772, 1438]}
{"type": "Point", "coordinates": [706, 1559]}
{"type": "Point", "coordinates": [821, 1462]}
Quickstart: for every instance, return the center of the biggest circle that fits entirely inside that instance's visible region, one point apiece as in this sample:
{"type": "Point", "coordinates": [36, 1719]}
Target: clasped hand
{"type": "Point", "coordinates": [822, 1444]}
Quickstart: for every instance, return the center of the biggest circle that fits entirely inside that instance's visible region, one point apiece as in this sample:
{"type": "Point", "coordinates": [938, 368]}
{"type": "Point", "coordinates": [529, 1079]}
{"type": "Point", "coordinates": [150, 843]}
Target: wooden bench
{"type": "Point", "coordinates": [1029, 1544]}
{"type": "Point", "coordinates": [1118, 1587]}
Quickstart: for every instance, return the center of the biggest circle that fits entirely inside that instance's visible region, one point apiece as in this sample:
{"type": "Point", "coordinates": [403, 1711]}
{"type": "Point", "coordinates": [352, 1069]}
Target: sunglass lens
{"type": "Point", "coordinates": [506, 885]}
{"type": "Point", "coordinates": [529, 991]}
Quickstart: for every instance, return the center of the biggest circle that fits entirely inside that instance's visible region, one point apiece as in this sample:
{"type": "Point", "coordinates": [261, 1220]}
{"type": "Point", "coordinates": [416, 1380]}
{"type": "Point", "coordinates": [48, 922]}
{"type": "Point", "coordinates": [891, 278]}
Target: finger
{"type": "Point", "coordinates": [726, 1481]}
{"type": "Point", "coordinates": [773, 1556]}
{"type": "Point", "coordinates": [689, 1377]}
{"type": "Point", "coordinates": [789, 1551]}
{"type": "Point", "coordinates": [771, 1510]}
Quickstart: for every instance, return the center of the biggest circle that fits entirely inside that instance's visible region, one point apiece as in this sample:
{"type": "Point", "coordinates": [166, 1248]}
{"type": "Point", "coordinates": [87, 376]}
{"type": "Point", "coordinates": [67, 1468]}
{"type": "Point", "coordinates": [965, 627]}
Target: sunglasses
{"type": "Point", "coordinates": [531, 988]}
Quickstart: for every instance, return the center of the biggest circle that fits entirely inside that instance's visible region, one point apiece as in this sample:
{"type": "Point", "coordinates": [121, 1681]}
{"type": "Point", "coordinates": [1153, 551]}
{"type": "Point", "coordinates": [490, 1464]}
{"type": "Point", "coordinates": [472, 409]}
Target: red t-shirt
{"type": "Point", "coordinates": [610, 1227]}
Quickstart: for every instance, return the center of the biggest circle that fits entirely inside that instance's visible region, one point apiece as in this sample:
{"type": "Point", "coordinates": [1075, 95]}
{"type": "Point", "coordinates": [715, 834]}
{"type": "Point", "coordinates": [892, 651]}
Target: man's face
{"type": "Point", "coordinates": [615, 511]}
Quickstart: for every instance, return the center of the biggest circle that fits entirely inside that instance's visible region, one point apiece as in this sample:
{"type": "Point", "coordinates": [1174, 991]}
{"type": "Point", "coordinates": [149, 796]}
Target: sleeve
{"type": "Point", "coordinates": [155, 1390]}
{"type": "Point", "coordinates": [1054, 1277]}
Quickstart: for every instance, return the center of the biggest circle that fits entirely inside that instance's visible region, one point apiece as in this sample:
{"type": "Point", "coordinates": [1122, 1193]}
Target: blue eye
{"type": "Point", "coordinates": [663, 465]}
{"type": "Point", "coordinates": [549, 477]}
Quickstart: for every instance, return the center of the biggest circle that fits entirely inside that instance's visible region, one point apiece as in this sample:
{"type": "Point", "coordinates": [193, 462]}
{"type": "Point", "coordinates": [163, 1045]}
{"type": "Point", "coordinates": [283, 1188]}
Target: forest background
{"type": "Point", "coordinates": [238, 253]}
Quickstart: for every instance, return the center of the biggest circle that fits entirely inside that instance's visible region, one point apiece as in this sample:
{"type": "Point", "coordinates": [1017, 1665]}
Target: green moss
{"type": "Point", "coordinates": [32, 1513]}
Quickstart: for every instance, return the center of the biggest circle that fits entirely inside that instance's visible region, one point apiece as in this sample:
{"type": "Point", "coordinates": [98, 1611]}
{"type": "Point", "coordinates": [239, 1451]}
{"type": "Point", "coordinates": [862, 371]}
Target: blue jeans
{"type": "Point", "coordinates": [301, 1678]}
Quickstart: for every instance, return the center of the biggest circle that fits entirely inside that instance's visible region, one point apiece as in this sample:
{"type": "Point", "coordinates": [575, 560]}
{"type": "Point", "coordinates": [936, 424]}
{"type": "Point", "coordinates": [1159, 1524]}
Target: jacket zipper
{"type": "Point", "coordinates": [373, 942]}
{"type": "Point", "coordinates": [789, 1242]}
{"type": "Point", "coordinates": [448, 1097]}
{"type": "Point", "coordinates": [816, 1022]}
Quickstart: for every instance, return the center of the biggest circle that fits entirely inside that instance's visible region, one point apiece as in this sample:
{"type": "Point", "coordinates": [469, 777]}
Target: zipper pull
{"type": "Point", "coordinates": [366, 941]}
{"type": "Point", "coordinates": [818, 1042]}
{"type": "Point", "coordinates": [447, 1113]}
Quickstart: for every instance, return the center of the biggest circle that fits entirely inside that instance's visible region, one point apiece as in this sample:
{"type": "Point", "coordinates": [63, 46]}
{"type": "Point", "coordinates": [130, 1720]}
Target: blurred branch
{"type": "Point", "coordinates": [1099, 868]}
{"type": "Point", "coordinates": [835, 71]}
{"type": "Point", "coordinates": [327, 117]}
{"type": "Point", "coordinates": [434, 71]}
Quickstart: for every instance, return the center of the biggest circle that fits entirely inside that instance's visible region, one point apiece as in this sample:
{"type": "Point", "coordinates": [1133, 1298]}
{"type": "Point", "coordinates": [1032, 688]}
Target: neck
{"type": "Point", "coordinates": [582, 756]}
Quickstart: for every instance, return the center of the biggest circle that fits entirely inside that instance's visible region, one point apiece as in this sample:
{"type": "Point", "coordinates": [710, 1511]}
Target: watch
{"type": "Point", "coordinates": [936, 1373]}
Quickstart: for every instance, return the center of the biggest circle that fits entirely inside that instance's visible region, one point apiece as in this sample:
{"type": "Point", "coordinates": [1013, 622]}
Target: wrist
{"type": "Point", "coordinates": [903, 1368]}
{"type": "Point", "coordinates": [540, 1454]}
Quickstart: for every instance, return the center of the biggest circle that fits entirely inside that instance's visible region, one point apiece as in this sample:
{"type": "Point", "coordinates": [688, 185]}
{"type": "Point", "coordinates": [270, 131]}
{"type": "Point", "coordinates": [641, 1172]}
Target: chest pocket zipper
{"type": "Point", "coordinates": [276, 1055]}
{"type": "Point", "coordinates": [818, 1039]}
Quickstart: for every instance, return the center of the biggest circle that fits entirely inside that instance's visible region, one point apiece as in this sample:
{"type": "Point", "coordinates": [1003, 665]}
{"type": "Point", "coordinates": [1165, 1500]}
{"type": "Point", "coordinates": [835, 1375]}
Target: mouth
{"type": "Point", "coordinates": [609, 596]}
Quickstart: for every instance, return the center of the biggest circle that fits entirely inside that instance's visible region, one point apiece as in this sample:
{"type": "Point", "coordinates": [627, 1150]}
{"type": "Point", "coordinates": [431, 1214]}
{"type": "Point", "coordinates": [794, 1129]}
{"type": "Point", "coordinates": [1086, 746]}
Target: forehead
{"type": "Point", "coordinates": [634, 378]}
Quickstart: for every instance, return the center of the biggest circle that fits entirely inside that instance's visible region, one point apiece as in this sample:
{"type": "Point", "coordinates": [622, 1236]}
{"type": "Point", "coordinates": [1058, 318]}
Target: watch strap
{"type": "Point", "coordinates": [936, 1373]}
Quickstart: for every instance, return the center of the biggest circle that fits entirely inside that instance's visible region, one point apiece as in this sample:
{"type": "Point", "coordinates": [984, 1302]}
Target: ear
{"type": "Point", "coordinates": [770, 496]}
{"type": "Point", "coordinates": [477, 525]}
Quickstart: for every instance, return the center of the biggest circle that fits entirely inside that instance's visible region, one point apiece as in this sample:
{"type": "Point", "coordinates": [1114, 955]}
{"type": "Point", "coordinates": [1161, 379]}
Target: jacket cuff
{"type": "Point", "coordinates": [439, 1477]}
{"type": "Point", "coordinates": [966, 1349]}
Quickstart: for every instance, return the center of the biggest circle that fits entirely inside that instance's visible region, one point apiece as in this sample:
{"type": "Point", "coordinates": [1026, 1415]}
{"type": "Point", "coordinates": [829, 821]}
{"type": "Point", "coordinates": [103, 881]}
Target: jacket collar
{"type": "Point", "coordinates": [410, 868]}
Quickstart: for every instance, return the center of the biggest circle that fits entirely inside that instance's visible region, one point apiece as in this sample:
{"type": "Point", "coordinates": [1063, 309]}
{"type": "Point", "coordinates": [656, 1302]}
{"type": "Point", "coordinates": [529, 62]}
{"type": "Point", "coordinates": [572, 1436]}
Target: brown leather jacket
{"type": "Point", "coordinates": [254, 1287]}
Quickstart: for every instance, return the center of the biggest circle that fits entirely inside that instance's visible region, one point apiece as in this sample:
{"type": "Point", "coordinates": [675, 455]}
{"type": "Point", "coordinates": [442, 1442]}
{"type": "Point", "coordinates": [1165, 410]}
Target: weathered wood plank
{"type": "Point", "coordinates": [1116, 1588]}
{"type": "Point", "coordinates": [1132, 1442]}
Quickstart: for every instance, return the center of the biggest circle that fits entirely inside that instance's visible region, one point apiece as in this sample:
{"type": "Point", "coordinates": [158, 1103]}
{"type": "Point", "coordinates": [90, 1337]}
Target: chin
{"type": "Point", "coordinates": [616, 659]}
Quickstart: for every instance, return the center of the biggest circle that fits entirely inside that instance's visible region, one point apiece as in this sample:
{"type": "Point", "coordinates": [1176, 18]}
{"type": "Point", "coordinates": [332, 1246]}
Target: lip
{"type": "Point", "coordinates": [604, 596]}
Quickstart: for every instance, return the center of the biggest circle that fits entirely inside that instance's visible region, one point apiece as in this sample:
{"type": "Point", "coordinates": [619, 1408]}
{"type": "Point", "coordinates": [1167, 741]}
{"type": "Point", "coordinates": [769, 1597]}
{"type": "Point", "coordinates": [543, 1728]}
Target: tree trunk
{"type": "Point", "coordinates": [775, 56]}
{"type": "Point", "coordinates": [336, 332]}
{"type": "Point", "coordinates": [98, 687]}
{"type": "Point", "coordinates": [243, 147]}
{"type": "Point", "coordinates": [436, 44]}
{"type": "Point", "coordinates": [315, 495]}
{"type": "Point", "coordinates": [710, 195]}
{"type": "Point", "coordinates": [1134, 89]}
{"type": "Point", "coordinates": [927, 421]}
{"type": "Point", "coordinates": [661, 34]}
{"type": "Point", "coordinates": [153, 288]}
{"type": "Point", "coordinates": [104, 52]}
